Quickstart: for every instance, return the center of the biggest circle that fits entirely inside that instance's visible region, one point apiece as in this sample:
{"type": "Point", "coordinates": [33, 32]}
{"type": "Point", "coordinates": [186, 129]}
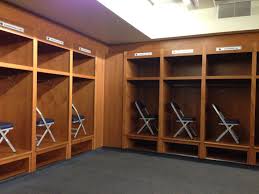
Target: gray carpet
{"type": "Point", "coordinates": [115, 172]}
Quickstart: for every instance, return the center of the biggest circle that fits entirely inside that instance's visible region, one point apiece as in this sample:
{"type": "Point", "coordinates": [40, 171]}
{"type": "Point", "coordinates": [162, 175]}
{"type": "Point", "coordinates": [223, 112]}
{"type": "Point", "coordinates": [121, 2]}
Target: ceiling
{"type": "Point", "coordinates": [88, 17]}
{"type": "Point", "coordinates": [165, 20]}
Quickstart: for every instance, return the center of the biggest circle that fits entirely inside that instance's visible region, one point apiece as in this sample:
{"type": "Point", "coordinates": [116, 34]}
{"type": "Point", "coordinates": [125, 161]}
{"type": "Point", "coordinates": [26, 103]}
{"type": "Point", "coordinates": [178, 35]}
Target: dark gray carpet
{"type": "Point", "coordinates": [115, 172]}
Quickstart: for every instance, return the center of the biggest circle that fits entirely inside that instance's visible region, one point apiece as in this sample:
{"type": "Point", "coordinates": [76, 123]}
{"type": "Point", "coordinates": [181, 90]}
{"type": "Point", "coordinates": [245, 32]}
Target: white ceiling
{"type": "Point", "coordinates": [88, 17]}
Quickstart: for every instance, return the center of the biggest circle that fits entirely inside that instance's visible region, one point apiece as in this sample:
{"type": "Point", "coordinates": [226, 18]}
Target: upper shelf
{"type": "Point", "coordinates": [229, 64]}
{"type": "Point", "coordinates": [83, 64]}
{"type": "Point", "coordinates": [15, 49]}
{"type": "Point", "coordinates": [52, 57]}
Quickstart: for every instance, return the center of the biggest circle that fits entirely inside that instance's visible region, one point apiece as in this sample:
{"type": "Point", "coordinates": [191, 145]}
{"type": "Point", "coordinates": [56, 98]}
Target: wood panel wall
{"type": "Point", "coordinates": [39, 27]}
{"type": "Point", "coordinates": [114, 73]}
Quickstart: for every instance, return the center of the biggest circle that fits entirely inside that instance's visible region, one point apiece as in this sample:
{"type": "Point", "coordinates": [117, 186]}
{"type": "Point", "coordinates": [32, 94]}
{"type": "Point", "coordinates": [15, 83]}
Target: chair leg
{"type": "Point", "coordinates": [83, 128]}
{"type": "Point", "coordinates": [5, 133]}
{"type": "Point", "coordinates": [222, 135]}
{"type": "Point", "coordinates": [7, 140]}
{"type": "Point", "coordinates": [143, 126]}
{"type": "Point", "coordinates": [184, 127]}
{"type": "Point", "coordinates": [45, 133]}
{"type": "Point", "coordinates": [149, 127]}
{"type": "Point", "coordinates": [229, 129]}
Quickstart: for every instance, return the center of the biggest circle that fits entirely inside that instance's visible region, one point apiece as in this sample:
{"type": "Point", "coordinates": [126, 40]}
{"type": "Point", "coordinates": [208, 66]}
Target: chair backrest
{"type": "Point", "coordinates": [177, 110]}
{"type": "Point", "coordinates": [41, 116]}
{"type": "Point", "coordinates": [142, 109]}
{"type": "Point", "coordinates": [75, 110]}
{"type": "Point", "coordinates": [219, 113]}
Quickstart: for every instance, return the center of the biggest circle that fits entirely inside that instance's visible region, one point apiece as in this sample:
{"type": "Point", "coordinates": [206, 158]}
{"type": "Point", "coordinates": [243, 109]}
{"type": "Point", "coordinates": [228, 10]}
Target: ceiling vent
{"type": "Point", "coordinates": [233, 8]}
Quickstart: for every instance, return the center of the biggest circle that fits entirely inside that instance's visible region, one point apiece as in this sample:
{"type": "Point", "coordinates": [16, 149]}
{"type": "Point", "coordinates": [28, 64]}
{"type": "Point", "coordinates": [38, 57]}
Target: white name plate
{"type": "Point", "coordinates": [11, 26]}
{"type": "Point", "coordinates": [143, 54]}
{"type": "Point", "coordinates": [229, 48]}
{"type": "Point", "coordinates": [85, 50]}
{"type": "Point", "coordinates": [57, 41]}
{"type": "Point", "coordinates": [185, 51]}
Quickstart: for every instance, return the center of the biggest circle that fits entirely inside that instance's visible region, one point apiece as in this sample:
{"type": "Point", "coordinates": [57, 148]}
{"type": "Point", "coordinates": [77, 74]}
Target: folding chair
{"type": "Point", "coordinates": [77, 119]}
{"type": "Point", "coordinates": [228, 123]}
{"type": "Point", "coordinates": [185, 121]}
{"type": "Point", "coordinates": [146, 117]}
{"type": "Point", "coordinates": [44, 122]}
{"type": "Point", "coordinates": [4, 129]}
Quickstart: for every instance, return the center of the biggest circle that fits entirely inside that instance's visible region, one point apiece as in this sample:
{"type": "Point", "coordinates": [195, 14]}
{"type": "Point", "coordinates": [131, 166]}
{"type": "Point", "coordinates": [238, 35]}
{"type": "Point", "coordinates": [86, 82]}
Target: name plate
{"type": "Point", "coordinates": [229, 48]}
{"type": "Point", "coordinates": [84, 50]}
{"type": "Point", "coordinates": [12, 27]}
{"type": "Point", "coordinates": [57, 41]}
{"type": "Point", "coordinates": [143, 54]}
{"type": "Point", "coordinates": [185, 51]}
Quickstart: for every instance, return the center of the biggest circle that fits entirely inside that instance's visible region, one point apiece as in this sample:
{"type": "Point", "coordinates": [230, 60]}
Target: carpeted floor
{"type": "Point", "coordinates": [115, 172]}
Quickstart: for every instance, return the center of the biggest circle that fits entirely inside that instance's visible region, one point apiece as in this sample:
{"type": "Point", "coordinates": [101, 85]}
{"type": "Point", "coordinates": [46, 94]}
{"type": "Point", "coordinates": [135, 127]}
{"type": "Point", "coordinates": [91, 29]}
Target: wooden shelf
{"type": "Point", "coordinates": [83, 64]}
{"type": "Point", "coordinates": [226, 154]}
{"type": "Point", "coordinates": [229, 64]}
{"type": "Point", "coordinates": [142, 145]}
{"type": "Point", "coordinates": [82, 139]}
{"type": "Point", "coordinates": [182, 78]}
{"type": "Point", "coordinates": [142, 136]}
{"type": "Point", "coordinates": [81, 145]}
{"type": "Point", "coordinates": [181, 140]}
{"type": "Point", "coordinates": [227, 145]}
{"type": "Point", "coordinates": [47, 146]}
{"type": "Point", "coordinates": [15, 66]}
{"type": "Point", "coordinates": [181, 66]}
{"type": "Point", "coordinates": [229, 77]}
{"type": "Point", "coordinates": [53, 57]}
{"type": "Point", "coordinates": [54, 72]}
{"type": "Point", "coordinates": [143, 79]}
{"type": "Point", "coordinates": [8, 155]}
{"type": "Point", "coordinates": [83, 76]}
{"type": "Point", "coordinates": [190, 150]}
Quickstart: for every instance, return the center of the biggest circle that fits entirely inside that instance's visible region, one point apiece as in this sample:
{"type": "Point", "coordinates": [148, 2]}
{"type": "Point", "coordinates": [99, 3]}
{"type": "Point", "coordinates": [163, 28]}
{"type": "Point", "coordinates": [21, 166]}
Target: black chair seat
{"type": "Point", "coordinates": [150, 116]}
{"type": "Point", "coordinates": [231, 122]}
{"type": "Point", "coordinates": [76, 119]}
{"type": "Point", "coordinates": [4, 125]}
{"type": "Point", "coordinates": [187, 119]}
{"type": "Point", "coordinates": [48, 121]}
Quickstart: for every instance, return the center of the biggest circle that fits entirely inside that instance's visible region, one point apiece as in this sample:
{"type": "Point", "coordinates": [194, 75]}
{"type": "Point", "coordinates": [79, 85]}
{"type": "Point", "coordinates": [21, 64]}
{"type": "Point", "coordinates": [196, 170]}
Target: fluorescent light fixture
{"type": "Point", "coordinates": [173, 19]}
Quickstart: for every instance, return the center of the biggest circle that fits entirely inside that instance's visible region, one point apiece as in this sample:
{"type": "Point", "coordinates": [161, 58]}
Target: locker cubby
{"type": "Point", "coordinates": [83, 99]}
{"type": "Point", "coordinates": [51, 57]}
{"type": "Point", "coordinates": [142, 145]}
{"type": "Point", "coordinates": [187, 94]}
{"type": "Point", "coordinates": [221, 154]}
{"type": "Point", "coordinates": [15, 49]}
{"type": "Point", "coordinates": [233, 98]}
{"type": "Point", "coordinates": [143, 67]}
{"type": "Point", "coordinates": [44, 159]}
{"type": "Point", "coordinates": [148, 93]}
{"type": "Point", "coordinates": [16, 84]}
{"type": "Point", "coordinates": [83, 64]}
{"type": "Point", "coordinates": [181, 149]}
{"type": "Point", "coordinates": [257, 115]}
{"type": "Point", "coordinates": [14, 168]}
{"type": "Point", "coordinates": [229, 64]}
{"type": "Point", "coordinates": [183, 66]}
{"type": "Point", "coordinates": [82, 147]}
{"type": "Point", "coordinates": [53, 102]}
